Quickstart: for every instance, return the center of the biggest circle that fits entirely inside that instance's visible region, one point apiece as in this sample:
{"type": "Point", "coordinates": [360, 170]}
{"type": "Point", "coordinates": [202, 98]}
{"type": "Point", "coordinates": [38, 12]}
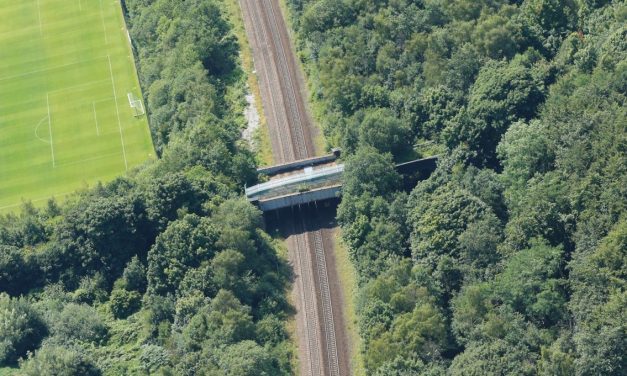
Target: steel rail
{"type": "Point", "coordinates": [260, 35]}
{"type": "Point", "coordinates": [308, 294]}
{"type": "Point", "coordinates": [327, 307]}
{"type": "Point", "coordinates": [299, 139]}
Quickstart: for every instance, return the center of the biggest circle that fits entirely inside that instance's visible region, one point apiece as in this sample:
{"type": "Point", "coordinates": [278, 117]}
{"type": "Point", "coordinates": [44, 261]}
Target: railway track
{"type": "Point", "coordinates": [268, 75]}
{"type": "Point", "coordinates": [291, 130]}
{"type": "Point", "coordinates": [327, 307]}
{"type": "Point", "coordinates": [308, 303]}
{"type": "Point", "coordinates": [295, 115]}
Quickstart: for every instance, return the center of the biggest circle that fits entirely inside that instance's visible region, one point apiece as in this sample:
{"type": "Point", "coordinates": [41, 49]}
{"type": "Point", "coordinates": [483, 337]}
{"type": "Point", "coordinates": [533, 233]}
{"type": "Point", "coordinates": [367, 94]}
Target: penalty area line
{"type": "Point", "coordinates": [104, 27]}
{"type": "Point", "coordinates": [96, 119]}
{"type": "Point", "coordinates": [50, 130]}
{"type": "Point", "coordinates": [117, 110]}
{"type": "Point", "coordinates": [41, 31]}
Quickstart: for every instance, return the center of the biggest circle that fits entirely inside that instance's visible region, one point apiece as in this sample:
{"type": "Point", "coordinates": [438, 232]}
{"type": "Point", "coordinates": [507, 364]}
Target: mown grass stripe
{"type": "Point", "coordinates": [58, 67]}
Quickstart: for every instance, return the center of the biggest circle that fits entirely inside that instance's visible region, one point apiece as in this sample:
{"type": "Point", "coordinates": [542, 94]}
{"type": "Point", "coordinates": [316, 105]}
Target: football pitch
{"type": "Point", "coordinates": [66, 121]}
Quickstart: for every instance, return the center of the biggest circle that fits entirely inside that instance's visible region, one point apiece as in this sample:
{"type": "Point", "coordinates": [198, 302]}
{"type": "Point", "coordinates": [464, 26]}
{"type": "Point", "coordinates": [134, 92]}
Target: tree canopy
{"type": "Point", "coordinates": [509, 259]}
{"type": "Point", "coordinates": [165, 270]}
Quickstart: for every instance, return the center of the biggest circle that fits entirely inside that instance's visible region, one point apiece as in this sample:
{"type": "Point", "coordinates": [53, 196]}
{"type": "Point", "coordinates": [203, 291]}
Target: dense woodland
{"type": "Point", "coordinates": [508, 260]}
{"type": "Point", "coordinates": [164, 271]}
{"type": "Point", "coordinates": [511, 258]}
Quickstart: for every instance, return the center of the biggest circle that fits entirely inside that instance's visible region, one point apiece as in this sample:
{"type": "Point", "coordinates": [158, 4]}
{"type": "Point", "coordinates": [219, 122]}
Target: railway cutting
{"type": "Point", "coordinates": [322, 341]}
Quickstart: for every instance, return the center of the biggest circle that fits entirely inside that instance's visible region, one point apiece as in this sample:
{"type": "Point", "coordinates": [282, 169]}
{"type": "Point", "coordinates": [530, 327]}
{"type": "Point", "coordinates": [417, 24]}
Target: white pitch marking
{"type": "Point", "coordinates": [79, 86]}
{"type": "Point", "coordinates": [96, 119]}
{"type": "Point", "coordinates": [48, 69]}
{"type": "Point", "coordinates": [117, 110]}
{"type": "Point", "coordinates": [50, 130]}
{"type": "Point", "coordinates": [103, 100]}
{"type": "Point", "coordinates": [37, 130]}
{"type": "Point", "coordinates": [104, 28]}
{"type": "Point", "coordinates": [103, 156]}
{"type": "Point", "coordinates": [41, 32]}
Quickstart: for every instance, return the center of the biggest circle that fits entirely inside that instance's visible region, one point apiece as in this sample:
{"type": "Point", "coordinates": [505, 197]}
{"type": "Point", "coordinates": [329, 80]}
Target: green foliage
{"type": "Point", "coordinates": [190, 49]}
{"type": "Point", "coordinates": [369, 178]}
{"type": "Point", "coordinates": [530, 283]}
{"type": "Point", "coordinates": [134, 275]}
{"type": "Point", "coordinates": [598, 303]}
{"type": "Point", "coordinates": [256, 362]}
{"type": "Point", "coordinates": [227, 268]}
{"type": "Point", "coordinates": [401, 318]}
{"type": "Point", "coordinates": [501, 34]}
{"type": "Point", "coordinates": [78, 322]}
{"type": "Point", "coordinates": [182, 246]}
{"type": "Point", "coordinates": [558, 359]}
{"type": "Point", "coordinates": [324, 15]}
{"type": "Point", "coordinates": [440, 239]}
{"type": "Point", "coordinates": [91, 290]}
{"type": "Point", "coordinates": [495, 358]}
{"type": "Point", "coordinates": [369, 172]}
{"type": "Point", "coordinates": [21, 329]}
{"type": "Point", "coordinates": [124, 303]}
{"type": "Point", "coordinates": [153, 358]}
{"type": "Point", "coordinates": [14, 269]}
{"type": "Point", "coordinates": [552, 16]}
{"type": "Point", "coordinates": [58, 360]}
{"type": "Point", "coordinates": [509, 259]}
{"type": "Point", "coordinates": [382, 130]}
{"type": "Point", "coordinates": [502, 93]}
{"type": "Point", "coordinates": [524, 151]}
{"type": "Point", "coordinates": [163, 271]}
{"type": "Point", "coordinates": [516, 240]}
{"type": "Point", "coordinates": [102, 232]}
{"type": "Point", "coordinates": [421, 331]}
{"type": "Point", "coordinates": [478, 247]}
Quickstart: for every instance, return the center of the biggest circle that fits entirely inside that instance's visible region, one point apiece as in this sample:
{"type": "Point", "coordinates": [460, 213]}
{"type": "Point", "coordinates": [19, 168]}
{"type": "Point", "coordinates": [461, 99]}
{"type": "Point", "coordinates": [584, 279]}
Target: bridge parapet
{"type": "Point", "coordinates": [304, 181]}
{"type": "Point", "coordinates": [320, 179]}
{"type": "Point", "coordinates": [300, 164]}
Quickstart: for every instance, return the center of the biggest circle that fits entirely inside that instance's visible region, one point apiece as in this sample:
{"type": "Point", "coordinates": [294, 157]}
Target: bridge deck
{"type": "Point", "coordinates": [307, 180]}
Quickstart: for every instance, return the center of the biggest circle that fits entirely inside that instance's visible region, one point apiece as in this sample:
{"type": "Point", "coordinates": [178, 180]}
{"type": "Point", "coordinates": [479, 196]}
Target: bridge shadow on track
{"type": "Point", "coordinates": [316, 216]}
{"type": "Point", "coordinates": [310, 228]}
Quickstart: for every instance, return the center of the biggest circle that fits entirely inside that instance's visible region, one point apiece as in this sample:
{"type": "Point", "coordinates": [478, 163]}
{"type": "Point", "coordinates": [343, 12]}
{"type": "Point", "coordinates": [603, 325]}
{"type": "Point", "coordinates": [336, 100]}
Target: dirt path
{"type": "Point", "coordinates": [322, 340]}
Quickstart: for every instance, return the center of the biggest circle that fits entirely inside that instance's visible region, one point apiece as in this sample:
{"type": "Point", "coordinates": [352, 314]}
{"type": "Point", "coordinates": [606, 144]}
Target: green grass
{"type": "Point", "coordinates": [66, 67]}
{"type": "Point", "coordinates": [348, 282]}
{"type": "Point", "coordinates": [7, 371]}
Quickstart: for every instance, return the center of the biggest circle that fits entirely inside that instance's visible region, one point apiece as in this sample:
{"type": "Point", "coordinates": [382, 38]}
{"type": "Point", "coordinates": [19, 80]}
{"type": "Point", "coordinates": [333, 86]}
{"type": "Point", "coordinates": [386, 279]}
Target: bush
{"type": "Point", "coordinates": [134, 275]}
{"type": "Point", "coordinates": [21, 329]}
{"type": "Point", "coordinates": [80, 322]}
{"type": "Point", "coordinates": [124, 303]}
{"type": "Point", "coordinates": [153, 357]}
{"type": "Point", "coordinates": [57, 360]}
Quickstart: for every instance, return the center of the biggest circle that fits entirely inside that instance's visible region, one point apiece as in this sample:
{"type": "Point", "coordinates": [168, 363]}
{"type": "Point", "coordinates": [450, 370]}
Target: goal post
{"type": "Point", "coordinates": [136, 104]}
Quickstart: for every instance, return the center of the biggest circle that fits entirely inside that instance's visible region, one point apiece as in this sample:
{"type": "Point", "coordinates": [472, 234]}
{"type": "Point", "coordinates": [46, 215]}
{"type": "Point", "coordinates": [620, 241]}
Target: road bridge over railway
{"type": "Point", "coordinates": [317, 179]}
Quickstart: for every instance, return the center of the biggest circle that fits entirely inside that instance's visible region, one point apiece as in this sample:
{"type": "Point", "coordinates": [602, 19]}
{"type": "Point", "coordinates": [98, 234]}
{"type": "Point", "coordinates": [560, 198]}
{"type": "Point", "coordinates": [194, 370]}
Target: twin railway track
{"type": "Point", "coordinates": [327, 307]}
{"type": "Point", "coordinates": [308, 307]}
{"type": "Point", "coordinates": [281, 84]}
{"type": "Point", "coordinates": [322, 343]}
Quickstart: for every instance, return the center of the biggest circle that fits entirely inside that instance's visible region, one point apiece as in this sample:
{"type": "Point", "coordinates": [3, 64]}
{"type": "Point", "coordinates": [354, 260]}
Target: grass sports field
{"type": "Point", "coordinates": [66, 70]}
